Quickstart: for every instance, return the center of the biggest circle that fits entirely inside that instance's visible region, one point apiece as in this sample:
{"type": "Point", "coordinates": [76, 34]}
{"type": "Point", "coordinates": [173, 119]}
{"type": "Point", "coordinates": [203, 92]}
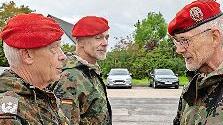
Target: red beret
{"type": "Point", "coordinates": [90, 26]}
{"type": "Point", "coordinates": [194, 15]}
{"type": "Point", "coordinates": [26, 31]}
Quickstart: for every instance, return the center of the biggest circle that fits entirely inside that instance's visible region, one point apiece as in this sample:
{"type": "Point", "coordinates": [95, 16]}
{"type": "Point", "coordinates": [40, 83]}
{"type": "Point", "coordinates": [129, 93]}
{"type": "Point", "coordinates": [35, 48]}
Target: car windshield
{"type": "Point", "coordinates": [119, 72]}
{"type": "Point", "coordinates": [164, 72]}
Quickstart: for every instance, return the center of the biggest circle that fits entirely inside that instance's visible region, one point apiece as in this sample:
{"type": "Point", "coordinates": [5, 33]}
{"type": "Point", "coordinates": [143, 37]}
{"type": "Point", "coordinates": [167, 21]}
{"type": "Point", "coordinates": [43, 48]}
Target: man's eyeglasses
{"type": "Point", "coordinates": [184, 41]}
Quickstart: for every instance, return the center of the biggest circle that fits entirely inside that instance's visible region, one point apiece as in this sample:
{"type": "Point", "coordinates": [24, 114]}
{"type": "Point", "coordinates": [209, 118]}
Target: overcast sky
{"type": "Point", "coordinates": [122, 14]}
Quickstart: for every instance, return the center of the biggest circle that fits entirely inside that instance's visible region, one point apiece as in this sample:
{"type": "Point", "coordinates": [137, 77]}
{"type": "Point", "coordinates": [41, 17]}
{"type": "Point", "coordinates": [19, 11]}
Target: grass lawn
{"type": "Point", "coordinates": [145, 82]}
{"type": "Point", "coordinates": [140, 82]}
{"type": "Point", "coordinates": [183, 80]}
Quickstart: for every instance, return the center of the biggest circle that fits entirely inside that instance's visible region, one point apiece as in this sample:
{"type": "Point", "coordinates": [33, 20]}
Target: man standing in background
{"type": "Point", "coordinates": [81, 89]}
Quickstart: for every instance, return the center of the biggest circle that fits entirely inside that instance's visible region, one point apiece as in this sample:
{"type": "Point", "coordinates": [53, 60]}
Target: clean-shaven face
{"type": "Point", "coordinates": [96, 47]}
{"type": "Point", "coordinates": [49, 61]}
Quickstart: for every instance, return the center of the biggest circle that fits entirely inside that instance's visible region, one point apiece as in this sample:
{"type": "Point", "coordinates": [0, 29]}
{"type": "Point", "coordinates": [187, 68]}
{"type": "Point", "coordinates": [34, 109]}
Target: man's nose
{"type": "Point", "coordinates": [104, 42]}
{"type": "Point", "coordinates": [180, 49]}
{"type": "Point", "coordinates": [62, 56]}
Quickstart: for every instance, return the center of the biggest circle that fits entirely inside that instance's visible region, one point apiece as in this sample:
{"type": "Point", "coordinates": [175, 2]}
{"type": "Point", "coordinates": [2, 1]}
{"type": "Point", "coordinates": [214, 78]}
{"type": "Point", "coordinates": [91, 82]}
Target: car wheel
{"type": "Point", "coordinates": [177, 87]}
{"type": "Point", "coordinates": [151, 83]}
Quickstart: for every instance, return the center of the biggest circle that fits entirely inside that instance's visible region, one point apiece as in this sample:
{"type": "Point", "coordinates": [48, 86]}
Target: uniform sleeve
{"type": "Point", "coordinates": [80, 101]}
{"type": "Point", "coordinates": [8, 109]}
{"type": "Point", "coordinates": [97, 113]}
{"type": "Point", "coordinates": [71, 110]}
{"type": "Point", "coordinates": [176, 120]}
{"type": "Point", "coordinates": [72, 93]}
{"type": "Point", "coordinates": [180, 110]}
{"type": "Point", "coordinates": [10, 119]}
{"type": "Point", "coordinates": [9, 122]}
{"type": "Point", "coordinates": [98, 119]}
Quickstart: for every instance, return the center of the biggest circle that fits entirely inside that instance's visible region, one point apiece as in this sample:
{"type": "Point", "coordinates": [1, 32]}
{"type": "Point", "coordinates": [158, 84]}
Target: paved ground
{"type": "Point", "coordinates": [143, 105]}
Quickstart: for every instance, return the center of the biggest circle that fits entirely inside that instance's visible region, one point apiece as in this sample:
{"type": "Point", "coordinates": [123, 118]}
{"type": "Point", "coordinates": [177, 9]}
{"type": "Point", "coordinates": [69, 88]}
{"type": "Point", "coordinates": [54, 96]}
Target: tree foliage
{"type": "Point", "coordinates": [153, 28]}
{"type": "Point", "coordinates": [7, 10]}
{"type": "Point", "coordinates": [150, 49]}
{"type": "Point", "coordinates": [68, 48]}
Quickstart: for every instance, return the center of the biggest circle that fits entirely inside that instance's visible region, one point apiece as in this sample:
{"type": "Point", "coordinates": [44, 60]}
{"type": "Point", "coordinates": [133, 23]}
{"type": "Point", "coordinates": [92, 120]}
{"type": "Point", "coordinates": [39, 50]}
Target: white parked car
{"type": "Point", "coordinates": [119, 78]}
{"type": "Point", "coordinates": [2, 69]}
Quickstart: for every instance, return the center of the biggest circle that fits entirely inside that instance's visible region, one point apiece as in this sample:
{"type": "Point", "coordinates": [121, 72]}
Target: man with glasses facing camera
{"type": "Point", "coordinates": [197, 34]}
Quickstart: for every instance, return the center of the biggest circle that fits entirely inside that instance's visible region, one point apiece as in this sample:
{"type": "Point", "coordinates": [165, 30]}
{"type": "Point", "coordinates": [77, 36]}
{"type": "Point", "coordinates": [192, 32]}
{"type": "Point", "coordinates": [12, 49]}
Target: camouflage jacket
{"type": "Point", "coordinates": [23, 104]}
{"type": "Point", "coordinates": [83, 94]}
{"type": "Point", "coordinates": [201, 102]}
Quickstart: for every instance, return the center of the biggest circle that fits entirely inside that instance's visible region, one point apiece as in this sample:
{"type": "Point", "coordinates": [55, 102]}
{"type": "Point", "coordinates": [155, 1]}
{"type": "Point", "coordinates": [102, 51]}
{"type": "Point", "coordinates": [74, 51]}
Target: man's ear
{"type": "Point", "coordinates": [26, 56]}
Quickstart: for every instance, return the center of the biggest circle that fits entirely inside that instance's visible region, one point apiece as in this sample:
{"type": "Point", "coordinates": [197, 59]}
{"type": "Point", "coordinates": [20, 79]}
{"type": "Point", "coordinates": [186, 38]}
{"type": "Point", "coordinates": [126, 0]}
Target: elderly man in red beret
{"type": "Point", "coordinates": [81, 88]}
{"type": "Point", "coordinates": [31, 43]}
{"type": "Point", "coordinates": [197, 32]}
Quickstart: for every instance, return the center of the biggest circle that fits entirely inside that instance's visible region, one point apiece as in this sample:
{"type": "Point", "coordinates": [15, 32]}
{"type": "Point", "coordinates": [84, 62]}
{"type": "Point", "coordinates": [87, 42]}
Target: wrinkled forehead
{"type": "Point", "coordinates": [55, 43]}
{"type": "Point", "coordinates": [106, 33]}
{"type": "Point", "coordinates": [189, 33]}
{"type": "Point", "coordinates": [90, 37]}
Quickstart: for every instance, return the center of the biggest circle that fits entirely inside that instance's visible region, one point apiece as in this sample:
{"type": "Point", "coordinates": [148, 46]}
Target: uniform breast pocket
{"type": "Point", "coordinates": [67, 107]}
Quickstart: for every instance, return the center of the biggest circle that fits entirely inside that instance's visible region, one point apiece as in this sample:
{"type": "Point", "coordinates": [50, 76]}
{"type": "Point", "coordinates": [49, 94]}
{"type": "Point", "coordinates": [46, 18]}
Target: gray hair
{"type": "Point", "coordinates": [217, 23]}
{"type": "Point", "coordinates": [11, 54]}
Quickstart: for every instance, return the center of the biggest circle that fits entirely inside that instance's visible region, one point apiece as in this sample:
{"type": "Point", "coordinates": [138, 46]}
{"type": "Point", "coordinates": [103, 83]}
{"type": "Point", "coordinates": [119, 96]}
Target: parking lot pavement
{"type": "Point", "coordinates": [144, 105]}
{"type": "Point", "coordinates": [144, 92]}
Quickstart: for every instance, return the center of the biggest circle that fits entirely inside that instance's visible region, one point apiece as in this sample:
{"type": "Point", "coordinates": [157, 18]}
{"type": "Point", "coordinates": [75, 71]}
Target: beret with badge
{"type": "Point", "coordinates": [194, 15]}
{"type": "Point", "coordinates": [90, 26]}
{"type": "Point", "coordinates": [27, 31]}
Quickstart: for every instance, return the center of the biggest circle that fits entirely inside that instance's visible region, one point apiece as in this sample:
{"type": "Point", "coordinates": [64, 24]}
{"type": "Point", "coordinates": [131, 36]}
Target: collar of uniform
{"type": "Point", "coordinates": [19, 86]}
{"type": "Point", "coordinates": [193, 91]}
{"type": "Point", "coordinates": [70, 62]}
{"type": "Point", "coordinates": [199, 84]}
{"type": "Point", "coordinates": [11, 81]}
{"type": "Point", "coordinates": [190, 92]}
{"type": "Point", "coordinates": [206, 80]}
{"type": "Point", "coordinates": [92, 66]}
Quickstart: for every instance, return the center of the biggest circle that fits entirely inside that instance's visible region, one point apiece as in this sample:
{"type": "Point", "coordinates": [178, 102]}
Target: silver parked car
{"type": "Point", "coordinates": [2, 69]}
{"type": "Point", "coordinates": [164, 78]}
{"type": "Point", "coordinates": [119, 78]}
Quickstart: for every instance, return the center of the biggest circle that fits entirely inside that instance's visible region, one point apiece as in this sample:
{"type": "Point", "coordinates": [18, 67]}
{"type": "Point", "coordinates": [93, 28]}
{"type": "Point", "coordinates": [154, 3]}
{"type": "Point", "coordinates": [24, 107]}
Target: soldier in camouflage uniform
{"type": "Point", "coordinates": [81, 88]}
{"type": "Point", "coordinates": [23, 99]}
{"type": "Point", "coordinates": [197, 32]}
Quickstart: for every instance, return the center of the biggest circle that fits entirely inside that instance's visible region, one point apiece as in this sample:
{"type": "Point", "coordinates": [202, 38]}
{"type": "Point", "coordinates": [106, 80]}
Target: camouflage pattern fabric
{"type": "Point", "coordinates": [83, 94]}
{"type": "Point", "coordinates": [23, 104]}
{"type": "Point", "coordinates": [201, 102]}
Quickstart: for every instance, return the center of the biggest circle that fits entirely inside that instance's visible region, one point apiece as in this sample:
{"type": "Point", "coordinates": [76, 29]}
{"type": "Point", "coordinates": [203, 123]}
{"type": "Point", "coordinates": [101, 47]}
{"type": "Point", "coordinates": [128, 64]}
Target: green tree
{"type": "Point", "coordinates": [7, 10]}
{"type": "Point", "coordinates": [150, 49]}
{"type": "Point", "coordinates": [68, 48]}
{"type": "Point", "coordinates": [151, 29]}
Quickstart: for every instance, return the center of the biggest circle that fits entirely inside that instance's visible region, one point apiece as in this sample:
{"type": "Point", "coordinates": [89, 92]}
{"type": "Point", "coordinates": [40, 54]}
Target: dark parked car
{"type": "Point", "coordinates": [164, 78]}
{"type": "Point", "coordinates": [119, 78]}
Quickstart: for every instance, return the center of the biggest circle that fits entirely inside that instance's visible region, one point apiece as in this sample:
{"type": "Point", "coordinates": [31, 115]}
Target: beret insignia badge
{"type": "Point", "coordinates": [196, 14]}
